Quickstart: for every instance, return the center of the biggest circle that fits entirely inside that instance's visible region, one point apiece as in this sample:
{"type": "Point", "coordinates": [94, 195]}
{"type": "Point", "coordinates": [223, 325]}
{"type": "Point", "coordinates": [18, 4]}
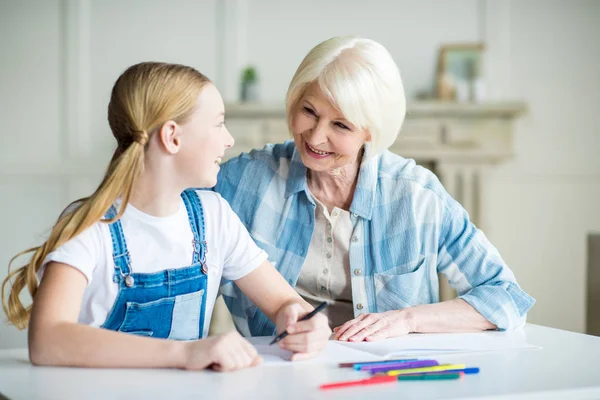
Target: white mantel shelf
{"type": "Point", "coordinates": [434, 132]}
{"type": "Point", "coordinates": [416, 109]}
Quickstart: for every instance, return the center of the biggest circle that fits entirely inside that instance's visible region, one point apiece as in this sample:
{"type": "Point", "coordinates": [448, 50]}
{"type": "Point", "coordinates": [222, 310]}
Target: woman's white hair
{"type": "Point", "coordinates": [361, 80]}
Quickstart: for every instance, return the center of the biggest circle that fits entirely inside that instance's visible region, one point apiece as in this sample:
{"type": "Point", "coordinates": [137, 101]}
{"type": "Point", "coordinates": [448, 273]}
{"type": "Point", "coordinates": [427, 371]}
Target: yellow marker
{"type": "Point", "coordinates": [435, 368]}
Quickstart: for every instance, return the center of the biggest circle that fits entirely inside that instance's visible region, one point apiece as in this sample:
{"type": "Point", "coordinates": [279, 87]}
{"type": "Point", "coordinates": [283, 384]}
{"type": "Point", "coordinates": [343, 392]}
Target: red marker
{"type": "Point", "coordinates": [445, 375]}
{"type": "Point", "coordinates": [360, 382]}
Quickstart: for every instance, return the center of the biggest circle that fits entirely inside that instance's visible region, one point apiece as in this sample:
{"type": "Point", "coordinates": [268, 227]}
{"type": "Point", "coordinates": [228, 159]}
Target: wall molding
{"type": "Point", "coordinates": [495, 19]}
{"type": "Point", "coordinates": [544, 179]}
{"type": "Point", "coordinates": [76, 54]}
{"type": "Point", "coordinates": [232, 51]}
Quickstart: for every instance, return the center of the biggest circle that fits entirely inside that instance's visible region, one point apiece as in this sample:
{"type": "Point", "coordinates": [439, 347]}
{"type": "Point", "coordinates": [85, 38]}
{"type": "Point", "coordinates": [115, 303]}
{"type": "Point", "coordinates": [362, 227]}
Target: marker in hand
{"type": "Point", "coordinates": [307, 316]}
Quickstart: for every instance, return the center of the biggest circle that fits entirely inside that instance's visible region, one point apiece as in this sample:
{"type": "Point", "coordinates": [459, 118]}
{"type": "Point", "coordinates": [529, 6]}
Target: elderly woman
{"type": "Point", "coordinates": [348, 222]}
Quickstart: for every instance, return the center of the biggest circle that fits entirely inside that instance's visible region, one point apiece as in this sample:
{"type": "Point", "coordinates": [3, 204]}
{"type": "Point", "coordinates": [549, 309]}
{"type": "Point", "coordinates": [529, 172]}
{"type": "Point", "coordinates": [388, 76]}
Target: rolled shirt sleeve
{"type": "Point", "coordinates": [476, 270]}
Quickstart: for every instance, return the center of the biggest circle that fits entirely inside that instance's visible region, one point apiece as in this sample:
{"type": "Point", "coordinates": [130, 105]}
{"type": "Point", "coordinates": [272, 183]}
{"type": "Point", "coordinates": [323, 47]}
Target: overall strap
{"type": "Point", "coordinates": [120, 253]}
{"type": "Point", "coordinates": [196, 218]}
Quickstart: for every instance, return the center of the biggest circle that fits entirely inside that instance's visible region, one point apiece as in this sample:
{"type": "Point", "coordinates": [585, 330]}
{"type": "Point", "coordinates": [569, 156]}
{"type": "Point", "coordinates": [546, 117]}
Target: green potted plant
{"type": "Point", "coordinates": [249, 83]}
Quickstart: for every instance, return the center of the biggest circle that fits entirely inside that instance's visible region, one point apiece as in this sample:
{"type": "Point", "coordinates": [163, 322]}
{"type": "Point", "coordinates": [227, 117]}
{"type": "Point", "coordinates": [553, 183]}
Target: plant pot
{"type": "Point", "coordinates": [249, 92]}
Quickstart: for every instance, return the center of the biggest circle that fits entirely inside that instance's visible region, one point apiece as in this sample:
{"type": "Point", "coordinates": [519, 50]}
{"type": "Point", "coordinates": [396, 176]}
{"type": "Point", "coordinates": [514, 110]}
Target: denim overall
{"type": "Point", "coordinates": [168, 304]}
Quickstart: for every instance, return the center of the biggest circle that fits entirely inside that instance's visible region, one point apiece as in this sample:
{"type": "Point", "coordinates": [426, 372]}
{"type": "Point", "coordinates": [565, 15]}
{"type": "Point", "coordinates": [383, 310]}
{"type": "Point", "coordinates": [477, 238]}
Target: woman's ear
{"type": "Point", "coordinates": [169, 137]}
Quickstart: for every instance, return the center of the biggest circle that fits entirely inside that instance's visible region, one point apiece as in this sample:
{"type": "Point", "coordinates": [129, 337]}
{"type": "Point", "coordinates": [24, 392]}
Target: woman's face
{"type": "Point", "coordinates": [325, 139]}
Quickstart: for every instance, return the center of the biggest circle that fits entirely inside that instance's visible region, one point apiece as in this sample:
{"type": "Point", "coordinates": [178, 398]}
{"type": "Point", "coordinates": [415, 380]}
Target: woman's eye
{"type": "Point", "coordinates": [309, 111]}
{"type": "Point", "coordinates": [340, 125]}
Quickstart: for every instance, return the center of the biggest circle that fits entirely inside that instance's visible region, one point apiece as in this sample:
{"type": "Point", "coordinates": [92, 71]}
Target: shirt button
{"type": "Point", "coordinates": [359, 306]}
{"type": "Point", "coordinates": [357, 272]}
{"type": "Point", "coordinates": [335, 213]}
{"type": "Point", "coordinates": [329, 239]}
{"type": "Point", "coordinates": [323, 289]}
{"type": "Point", "coordinates": [328, 225]}
{"type": "Point", "coordinates": [325, 271]}
{"type": "Point", "coordinates": [355, 215]}
{"type": "Point", "coordinates": [354, 239]}
{"type": "Point", "coordinates": [328, 255]}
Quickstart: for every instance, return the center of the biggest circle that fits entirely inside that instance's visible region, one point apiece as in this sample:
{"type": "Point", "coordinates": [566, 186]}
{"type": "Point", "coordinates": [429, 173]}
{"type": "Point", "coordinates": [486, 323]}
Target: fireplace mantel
{"type": "Point", "coordinates": [459, 142]}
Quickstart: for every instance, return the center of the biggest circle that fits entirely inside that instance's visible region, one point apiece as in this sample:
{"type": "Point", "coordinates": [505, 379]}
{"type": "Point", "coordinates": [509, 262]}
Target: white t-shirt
{"type": "Point", "coordinates": [157, 244]}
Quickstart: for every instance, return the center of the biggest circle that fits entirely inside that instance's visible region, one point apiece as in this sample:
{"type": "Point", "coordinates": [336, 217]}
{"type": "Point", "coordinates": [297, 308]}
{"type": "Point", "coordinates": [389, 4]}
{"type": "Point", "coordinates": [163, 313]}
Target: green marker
{"type": "Point", "coordinates": [428, 377]}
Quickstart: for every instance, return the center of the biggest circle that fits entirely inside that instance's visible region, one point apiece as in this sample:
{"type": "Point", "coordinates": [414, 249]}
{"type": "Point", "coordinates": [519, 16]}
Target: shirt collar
{"type": "Point", "coordinates": [366, 188]}
{"type": "Point", "coordinates": [296, 181]}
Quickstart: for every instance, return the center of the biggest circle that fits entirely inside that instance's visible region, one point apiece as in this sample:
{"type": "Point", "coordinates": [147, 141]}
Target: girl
{"type": "Point", "coordinates": [141, 259]}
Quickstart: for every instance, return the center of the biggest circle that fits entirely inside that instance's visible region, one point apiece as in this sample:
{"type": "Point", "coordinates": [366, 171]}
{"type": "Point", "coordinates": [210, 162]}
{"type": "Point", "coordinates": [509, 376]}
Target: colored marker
{"type": "Point", "coordinates": [399, 366]}
{"type": "Point", "coordinates": [387, 379]}
{"type": "Point", "coordinates": [435, 368]}
{"type": "Point", "coordinates": [466, 371]}
{"type": "Point", "coordinates": [360, 363]}
{"type": "Point", "coordinates": [359, 382]}
{"type": "Point", "coordinates": [429, 377]}
{"type": "Point", "coordinates": [369, 366]}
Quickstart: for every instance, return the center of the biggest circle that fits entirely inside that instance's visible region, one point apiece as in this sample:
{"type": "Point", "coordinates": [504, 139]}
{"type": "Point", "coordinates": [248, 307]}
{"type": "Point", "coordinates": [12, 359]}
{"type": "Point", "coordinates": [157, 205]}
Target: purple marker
{"type": "Point", "coordinates": [358, 366]}
{"type": "Point", "coordinates": [397, 366]}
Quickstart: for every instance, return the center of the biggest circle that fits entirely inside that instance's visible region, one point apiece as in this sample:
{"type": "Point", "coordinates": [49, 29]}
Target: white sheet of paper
{"type": "Point", "coordinates": [410, 345]}
{"type": "Point", "coordinates": [445, 343]}
{"type": "Point", "coordinates": [334, 353]}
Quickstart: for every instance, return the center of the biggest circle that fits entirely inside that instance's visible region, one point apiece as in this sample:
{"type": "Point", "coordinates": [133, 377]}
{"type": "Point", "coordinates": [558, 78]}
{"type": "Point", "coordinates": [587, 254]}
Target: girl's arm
{"type": "Point", "coordinates": [55, 337]}
{"type": "Point", "coordinates": [266, 288]}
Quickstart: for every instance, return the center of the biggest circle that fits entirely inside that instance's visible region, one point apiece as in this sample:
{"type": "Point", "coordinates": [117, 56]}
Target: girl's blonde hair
{"type": "Point", "coordinates": [361, 79]}
{"type": "Point", "coordinates": [144, 97]}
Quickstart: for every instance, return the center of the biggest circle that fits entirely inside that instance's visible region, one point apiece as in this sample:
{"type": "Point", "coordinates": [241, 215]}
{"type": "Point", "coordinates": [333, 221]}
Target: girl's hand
{"type": "Point", "coordinates": [305, 338]}
{"type": "Point", "coordinates": [226, 352]}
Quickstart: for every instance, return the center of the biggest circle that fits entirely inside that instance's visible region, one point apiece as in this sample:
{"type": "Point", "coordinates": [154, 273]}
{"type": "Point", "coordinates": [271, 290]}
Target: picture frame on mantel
{"type": "Point", "coordinates": [459, 76]}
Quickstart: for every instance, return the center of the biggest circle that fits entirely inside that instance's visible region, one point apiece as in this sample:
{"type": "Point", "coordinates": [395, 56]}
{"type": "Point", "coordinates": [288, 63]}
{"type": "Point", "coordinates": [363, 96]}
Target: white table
{"type": "Point", "coordinates": [568, 366]}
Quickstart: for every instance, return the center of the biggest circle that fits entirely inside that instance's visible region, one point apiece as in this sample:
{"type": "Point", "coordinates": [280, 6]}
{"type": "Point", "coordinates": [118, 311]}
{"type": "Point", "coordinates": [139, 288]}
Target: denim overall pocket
{"type": "Point", "coordinates": [148, 319]}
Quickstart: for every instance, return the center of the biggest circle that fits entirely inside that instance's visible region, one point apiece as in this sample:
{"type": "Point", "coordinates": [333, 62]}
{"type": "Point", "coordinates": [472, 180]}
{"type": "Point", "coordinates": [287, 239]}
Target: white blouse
{"type": "Point", "coordinates": [325, 275]}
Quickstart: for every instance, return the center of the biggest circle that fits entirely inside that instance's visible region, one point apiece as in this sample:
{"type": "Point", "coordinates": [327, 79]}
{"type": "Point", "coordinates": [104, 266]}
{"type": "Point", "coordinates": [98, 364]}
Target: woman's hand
{"type": "Point", "coordinates": [305, 338]}
{"type": "Point", "coordinates": [226, 352]}
{"type": "Point", "coordinates": [376, 326]}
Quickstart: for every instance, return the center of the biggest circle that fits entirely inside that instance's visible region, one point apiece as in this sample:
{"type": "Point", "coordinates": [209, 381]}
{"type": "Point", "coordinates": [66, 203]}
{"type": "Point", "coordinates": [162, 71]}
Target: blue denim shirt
{"type": "Point", "coordinates": [407, 229]}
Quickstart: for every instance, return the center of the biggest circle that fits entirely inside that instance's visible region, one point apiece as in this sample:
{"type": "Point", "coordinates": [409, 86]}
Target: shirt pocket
{"type": "Point", "coordinates": [404, 286]}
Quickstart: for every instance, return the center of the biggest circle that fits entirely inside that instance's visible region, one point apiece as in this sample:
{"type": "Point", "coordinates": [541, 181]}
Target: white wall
{"type": "Point", "coordinates": [542, 204]}
{"type": "Point", "coordinates": [30, 104]}
{"type": "Point", "coordinates": [123, 33]}
{"type": "Point", "coordinates": [60, 59]}
{"type": "Point", "coordinates": [411, 30]}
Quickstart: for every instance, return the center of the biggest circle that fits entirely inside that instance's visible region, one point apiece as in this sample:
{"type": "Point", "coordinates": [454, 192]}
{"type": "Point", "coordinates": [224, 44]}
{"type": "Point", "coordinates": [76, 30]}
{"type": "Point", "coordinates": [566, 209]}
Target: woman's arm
{"type": "Point", "coordinates": [266, 288]}
{"type": "Point", "coordinates": [489, 296]}
{"type": "Point", "coordinates": [55, 337]}
{"type": "Point", "coordinates": [476, 270]}
{"type": "Point", "coordinates": [448, 316]}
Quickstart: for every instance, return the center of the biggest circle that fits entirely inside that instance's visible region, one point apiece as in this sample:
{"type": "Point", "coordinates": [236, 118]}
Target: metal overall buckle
{"type": "Point", "coordinates": [204, 265]}
{"type": "Point", "coordinates": [129, 281]}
